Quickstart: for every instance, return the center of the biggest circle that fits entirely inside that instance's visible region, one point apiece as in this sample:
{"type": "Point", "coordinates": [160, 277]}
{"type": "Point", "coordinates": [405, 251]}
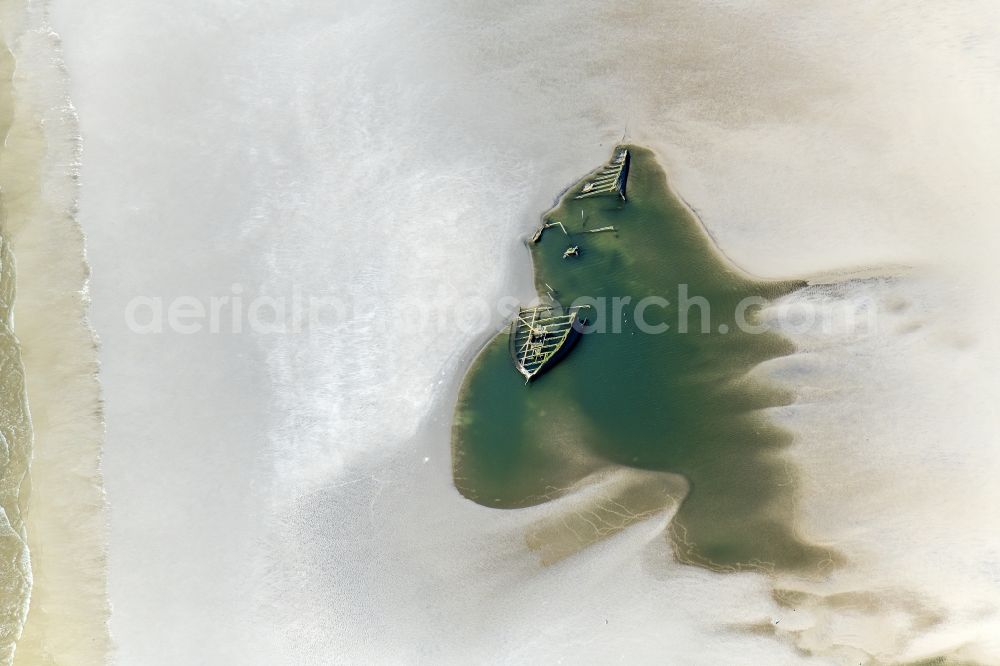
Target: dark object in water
{"type": "Point", "coordinates": [540, 336]}
{"type": "Point", "coordinates": [609, 179]}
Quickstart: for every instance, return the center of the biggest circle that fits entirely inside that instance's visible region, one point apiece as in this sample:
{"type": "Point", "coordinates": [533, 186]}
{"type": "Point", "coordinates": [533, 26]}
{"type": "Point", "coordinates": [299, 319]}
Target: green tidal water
{"type": "Point", "coordinates": [677, 401]}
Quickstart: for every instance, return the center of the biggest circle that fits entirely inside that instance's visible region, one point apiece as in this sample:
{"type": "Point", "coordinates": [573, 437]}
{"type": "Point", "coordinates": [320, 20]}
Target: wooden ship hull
{"type": "Point", "coordinates": [609, 179]}
{"type": "Point", "coordinates": [540, 337]}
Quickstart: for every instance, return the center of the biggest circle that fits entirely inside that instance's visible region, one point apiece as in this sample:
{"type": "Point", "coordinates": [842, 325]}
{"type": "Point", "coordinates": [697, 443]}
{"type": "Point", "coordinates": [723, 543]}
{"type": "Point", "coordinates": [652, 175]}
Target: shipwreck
{"type": "Point", "coordinates": [610, 178]}
{"type": "Point", "coordinates": [540, 336]}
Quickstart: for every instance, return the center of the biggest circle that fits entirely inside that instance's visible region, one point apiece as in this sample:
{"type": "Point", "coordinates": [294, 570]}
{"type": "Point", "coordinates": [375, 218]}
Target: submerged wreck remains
{"type": "Point", "coordinates": [609, 179]}
{"type": "Point", "coordinates": [540, 336]}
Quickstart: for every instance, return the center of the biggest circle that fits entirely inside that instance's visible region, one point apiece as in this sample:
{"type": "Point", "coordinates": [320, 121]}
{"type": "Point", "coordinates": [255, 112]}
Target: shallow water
{"type": "Point", "coordinates": [640, 396]}
{"type": "Point", "coordinates": [15, 440]}
{"type": "Point", "coordinates": [15, 425]}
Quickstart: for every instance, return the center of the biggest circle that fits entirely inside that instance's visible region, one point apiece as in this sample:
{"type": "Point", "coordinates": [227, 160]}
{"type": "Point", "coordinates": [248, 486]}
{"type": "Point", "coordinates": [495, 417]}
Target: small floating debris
{"type": "Point", "coordinates": [540, 336]}
{"type": "Point", "coordinates": [572, 251]}
{"type": "Point", "coordinates": [609, 179]}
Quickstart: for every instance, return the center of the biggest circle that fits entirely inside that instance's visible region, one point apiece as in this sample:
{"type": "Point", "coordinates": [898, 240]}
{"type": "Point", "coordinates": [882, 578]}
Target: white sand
{"type": "Point", "coordinates": [270, 499]}
{"type": "Point", "coordinates": [62, 501]}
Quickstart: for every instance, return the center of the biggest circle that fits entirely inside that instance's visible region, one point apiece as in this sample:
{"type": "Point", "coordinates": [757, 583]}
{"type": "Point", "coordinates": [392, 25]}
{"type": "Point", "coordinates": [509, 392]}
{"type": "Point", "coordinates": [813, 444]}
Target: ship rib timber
{"type": "Point", "coordinates": [610, 178]}
{"type": "Point", "coordinates": [540, 336]}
